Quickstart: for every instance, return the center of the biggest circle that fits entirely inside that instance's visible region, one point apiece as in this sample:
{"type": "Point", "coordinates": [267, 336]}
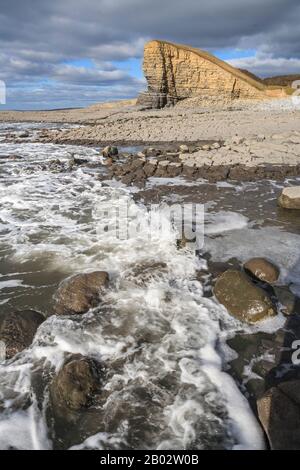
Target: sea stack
{"type": "Point", "coordinates": [175, 72]}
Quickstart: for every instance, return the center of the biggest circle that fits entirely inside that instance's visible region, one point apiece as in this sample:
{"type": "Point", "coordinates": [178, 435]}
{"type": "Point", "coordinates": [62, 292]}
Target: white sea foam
{"type": "Point", "coordinates": [269, 242]}
{"type": "Point", "coordinates": [224, 221]}
{"type": "Point", "coordinates": [163, 330]}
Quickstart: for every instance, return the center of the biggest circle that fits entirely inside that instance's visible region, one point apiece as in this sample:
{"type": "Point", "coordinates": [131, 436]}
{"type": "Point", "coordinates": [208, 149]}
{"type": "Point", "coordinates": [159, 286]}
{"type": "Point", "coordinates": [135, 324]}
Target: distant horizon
{"type": "Point", "coordinates": [69, 55]}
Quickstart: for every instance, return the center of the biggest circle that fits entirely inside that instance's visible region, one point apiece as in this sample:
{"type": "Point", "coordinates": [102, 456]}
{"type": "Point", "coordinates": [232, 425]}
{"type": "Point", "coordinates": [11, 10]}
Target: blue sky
{"type": "Point", "coordinates": [69, 53]}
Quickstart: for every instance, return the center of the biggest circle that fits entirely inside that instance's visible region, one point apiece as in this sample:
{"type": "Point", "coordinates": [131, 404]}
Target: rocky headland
{"type": "Point", "coordinates": [178, 73]}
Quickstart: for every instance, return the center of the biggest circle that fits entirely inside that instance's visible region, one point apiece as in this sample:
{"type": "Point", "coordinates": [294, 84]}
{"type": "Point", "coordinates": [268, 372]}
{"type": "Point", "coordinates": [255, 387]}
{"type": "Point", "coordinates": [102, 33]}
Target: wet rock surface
{"type": "Point", "coordinates": [243, 299]}
{"type": "Point", "coordinates": [264, 359]}
{"type": "Point", "coordinates": [236, 159]}
{"type": "Point", "coordinates": [77, 294]}
{"type": "Point", "coordinates": [17, 330]}
{"type": "Point", "coordinates": [262, 269]}
{"type": "Point", "coordinates": [290, 303]}
{"type": "Point", "coordinates": [76, 383]}
{"type": "Point", "coordinates": [279, 413]}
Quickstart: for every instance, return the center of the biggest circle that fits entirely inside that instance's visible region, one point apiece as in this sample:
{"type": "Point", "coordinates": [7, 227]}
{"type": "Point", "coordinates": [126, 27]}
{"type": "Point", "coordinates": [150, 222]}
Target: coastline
{"type": "Point", "coordinates": [205, 171]}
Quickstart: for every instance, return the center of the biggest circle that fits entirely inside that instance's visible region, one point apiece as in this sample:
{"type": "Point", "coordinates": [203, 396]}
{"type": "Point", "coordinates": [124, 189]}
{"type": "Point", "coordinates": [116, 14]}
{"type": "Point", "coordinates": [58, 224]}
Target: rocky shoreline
{"type": "Point", "coordinates": [78, 386]}
{"type": "Point", "coordinates": [273, 158]}
{"type": "Point", "coordinates": [272, 390]}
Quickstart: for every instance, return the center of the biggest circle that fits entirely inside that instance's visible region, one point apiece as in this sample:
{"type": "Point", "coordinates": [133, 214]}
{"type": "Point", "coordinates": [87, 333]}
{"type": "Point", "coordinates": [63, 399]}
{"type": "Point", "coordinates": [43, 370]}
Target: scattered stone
{"type": "Point", "coordinates": [76, 384]}
{"type": "Point", "coordinates": [17, 330]}
{"type": "Point", "coordinates": [110, 152]}
{"type": "Point", "coordinates": [206, 147]}
{"type": "Point", "coordinates": [80, 161]}
{"type": "Point", "coordinates": [216, 145]}
{"type": "Point", "coordinates": [290, 198]}
{"type": "Point", "coordinates": [141, 155]}
{"type": "Point", "coordinates": [184, 149]}
{"type": "Point", "coordinates": [262, 269]}
{"type": "Point", "coordinates": [108, 161]}
{"type": "Point", "coordinates": [151, 152]}
{"type": "Point", "coordinates": [79, 293]}
{"type": "Point", "coordinates": [287, 299]}
{"type": "Point", "coordinates": [241, 298]}
{"type": "Point", "coordinates": [22, 134]}
{"type": "Point", "coordinates": [236, 140]}
{"type": "Point", "coordinates": [279, 414]}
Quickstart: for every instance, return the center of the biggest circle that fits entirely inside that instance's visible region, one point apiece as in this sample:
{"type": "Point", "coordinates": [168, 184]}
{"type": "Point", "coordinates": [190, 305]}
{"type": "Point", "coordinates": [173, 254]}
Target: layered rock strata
{"type": "Point", "coordinates": [176, 72]}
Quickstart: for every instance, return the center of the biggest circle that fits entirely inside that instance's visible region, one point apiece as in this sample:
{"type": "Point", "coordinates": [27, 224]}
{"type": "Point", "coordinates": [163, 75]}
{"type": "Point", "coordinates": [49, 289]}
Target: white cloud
{"type": "Point", "coordinates": [265, 65]}
{"type": "Point", "coordinates": [37, 37]}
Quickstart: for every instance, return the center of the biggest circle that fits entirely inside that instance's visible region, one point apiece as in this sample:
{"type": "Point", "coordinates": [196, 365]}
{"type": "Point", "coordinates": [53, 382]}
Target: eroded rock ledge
{"type": "Point", "coordinates": [275, 157]}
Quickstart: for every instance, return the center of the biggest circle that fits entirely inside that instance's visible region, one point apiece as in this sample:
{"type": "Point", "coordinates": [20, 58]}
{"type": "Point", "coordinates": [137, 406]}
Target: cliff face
{"type": "Point", "coordinates": [176, 72]}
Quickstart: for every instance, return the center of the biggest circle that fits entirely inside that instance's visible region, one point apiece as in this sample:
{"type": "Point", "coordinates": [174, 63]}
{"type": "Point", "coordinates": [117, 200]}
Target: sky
{"type": "Point", "coordinates": [73, 53]}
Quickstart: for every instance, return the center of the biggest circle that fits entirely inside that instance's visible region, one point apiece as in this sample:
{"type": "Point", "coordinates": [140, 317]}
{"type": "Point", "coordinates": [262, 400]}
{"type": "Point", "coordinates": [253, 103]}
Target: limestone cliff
{"type": "Point", "coordinates": [176, 72]}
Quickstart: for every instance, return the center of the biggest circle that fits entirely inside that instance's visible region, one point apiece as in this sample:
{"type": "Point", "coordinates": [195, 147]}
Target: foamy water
{"type": "Point", "coordinates": [159, 339]}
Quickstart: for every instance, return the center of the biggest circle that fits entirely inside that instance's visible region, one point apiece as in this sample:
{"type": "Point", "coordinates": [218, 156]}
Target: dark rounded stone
{"type": "Point", "coordinates": [279, 414]}
{"type": "Point", "coordinates": [241, 298]}
{"type": "Point", "coordinates": [76, 383]}
{"type": "Point", "coordinates": [79, 293]}
{"type": "Point", "coordinates": [18, 329]}
{"type": "Point", "coordinates": [262, 269]}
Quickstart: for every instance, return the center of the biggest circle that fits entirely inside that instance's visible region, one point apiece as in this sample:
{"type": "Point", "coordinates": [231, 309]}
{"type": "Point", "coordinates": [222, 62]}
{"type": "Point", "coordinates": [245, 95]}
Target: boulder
{"type": "Point", "coordinates": [290, 198]}
{"type": "Point", "coordinates": [79, 293]}
{"type": "Point", "coordinates": [110, 152]}
{"type": "Point", "coordinates": [241, 298]}
{"type": "Point", "coordinates": [262, 269]}
{"type": "Point", "coordinates": [279, 414]}
{"type": "Point", "coordinates": [17, 330]}
{"type": "Point", "coordinates": [77, 382]}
